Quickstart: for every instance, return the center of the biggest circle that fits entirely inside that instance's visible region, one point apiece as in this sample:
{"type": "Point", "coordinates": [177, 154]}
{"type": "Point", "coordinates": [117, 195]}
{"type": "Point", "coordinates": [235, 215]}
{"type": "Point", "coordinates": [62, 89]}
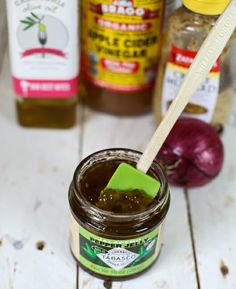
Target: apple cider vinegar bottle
{"type": "Point", "coordinates": [121, 41]}
{"type": "Point", "coordinates": [43, 39]}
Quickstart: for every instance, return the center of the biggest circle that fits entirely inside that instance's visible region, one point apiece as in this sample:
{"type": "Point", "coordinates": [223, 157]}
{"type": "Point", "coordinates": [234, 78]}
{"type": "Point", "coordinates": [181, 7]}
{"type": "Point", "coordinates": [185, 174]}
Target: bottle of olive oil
{"type": "Point", "coordinates": [43, 40]}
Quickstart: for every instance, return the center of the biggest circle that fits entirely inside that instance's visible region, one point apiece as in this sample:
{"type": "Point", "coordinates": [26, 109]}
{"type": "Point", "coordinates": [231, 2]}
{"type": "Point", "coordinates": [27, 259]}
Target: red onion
{"type": "Point", "coordinates": [192, 153]}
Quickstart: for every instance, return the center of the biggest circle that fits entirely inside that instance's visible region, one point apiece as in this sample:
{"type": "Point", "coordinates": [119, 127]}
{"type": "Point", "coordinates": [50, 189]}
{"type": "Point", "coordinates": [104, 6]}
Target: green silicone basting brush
{"type": "Point", "coordinates": [128, 178]}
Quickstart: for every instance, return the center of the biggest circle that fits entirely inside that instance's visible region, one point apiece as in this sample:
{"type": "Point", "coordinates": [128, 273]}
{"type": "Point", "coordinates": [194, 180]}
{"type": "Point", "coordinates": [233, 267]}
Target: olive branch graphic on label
{"type": "Point", "coordinates": [33, 20]}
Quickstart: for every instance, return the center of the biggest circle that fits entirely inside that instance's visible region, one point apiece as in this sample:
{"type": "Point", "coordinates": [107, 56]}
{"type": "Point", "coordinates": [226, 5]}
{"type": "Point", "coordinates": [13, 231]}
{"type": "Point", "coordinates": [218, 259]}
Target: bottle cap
{"type": "Point", "coordinates": [207, 7]}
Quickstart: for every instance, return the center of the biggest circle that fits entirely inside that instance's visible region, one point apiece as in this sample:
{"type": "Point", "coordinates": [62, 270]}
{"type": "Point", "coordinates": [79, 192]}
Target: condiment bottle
{"type": "Point", "coordinates": [43, 51]}
{"type": "Point", "coordinates": [187, 27]}
{"type": "Point", "coordinates": [120, 51]}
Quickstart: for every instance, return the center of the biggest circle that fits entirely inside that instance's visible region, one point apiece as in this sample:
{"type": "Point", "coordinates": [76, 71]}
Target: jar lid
{"type": "Point", "coordinates": [207, 7]}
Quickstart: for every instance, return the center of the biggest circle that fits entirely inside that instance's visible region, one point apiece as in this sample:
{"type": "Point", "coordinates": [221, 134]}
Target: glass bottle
{"type": "Point", "coordinates": [120, 50]}
{"type": "Point", "coordinates": [187, 28]}
{"type": "Point", "coordinates": [43, 40]}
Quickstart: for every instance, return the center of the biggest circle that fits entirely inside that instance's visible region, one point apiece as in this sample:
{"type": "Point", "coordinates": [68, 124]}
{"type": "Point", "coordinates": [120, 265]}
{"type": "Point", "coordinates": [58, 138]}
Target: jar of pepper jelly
{"type": "Point", "coordinates": [117, 236]}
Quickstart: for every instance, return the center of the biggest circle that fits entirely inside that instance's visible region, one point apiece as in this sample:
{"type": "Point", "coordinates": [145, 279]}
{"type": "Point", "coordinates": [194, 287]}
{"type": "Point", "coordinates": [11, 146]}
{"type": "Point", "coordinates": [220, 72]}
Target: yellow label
{"type": "Point", "coordinates": [121, 42]}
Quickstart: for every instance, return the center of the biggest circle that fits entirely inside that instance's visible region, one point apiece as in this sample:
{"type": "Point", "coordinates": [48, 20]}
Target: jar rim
{"type": "Point", "coordinates": [114, 152]}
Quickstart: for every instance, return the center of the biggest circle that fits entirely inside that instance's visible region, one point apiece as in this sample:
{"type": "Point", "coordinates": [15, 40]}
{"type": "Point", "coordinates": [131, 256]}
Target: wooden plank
{"type": "Point", "coordinates": [175, 267]}
{"type": "Point", "coordinates": [3, 31]}
{"type": "Point", "coordinates": [213, 210]}
{"type": "Point", "coordinates": [87, 281]}
{"type": "Point", "coordinates": [36, 167]}
{"type": "Point", "coordinates": [103, 131]}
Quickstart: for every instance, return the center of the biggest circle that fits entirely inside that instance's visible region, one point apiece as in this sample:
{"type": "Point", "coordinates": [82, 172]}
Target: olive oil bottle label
{"type": "Point", "coordinates": [121, 42]}
{"type": "Point", "coordinates": [43, 47]}
{"type": "Point", "coordinates": [203, 102]}
{"type": "Point", "coordinates": [110, 257]}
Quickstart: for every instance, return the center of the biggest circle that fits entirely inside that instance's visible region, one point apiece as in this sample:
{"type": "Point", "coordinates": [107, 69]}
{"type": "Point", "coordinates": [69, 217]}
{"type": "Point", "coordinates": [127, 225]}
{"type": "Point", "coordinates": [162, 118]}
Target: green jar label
{"type": "Point", "coordinates": [110, 257]}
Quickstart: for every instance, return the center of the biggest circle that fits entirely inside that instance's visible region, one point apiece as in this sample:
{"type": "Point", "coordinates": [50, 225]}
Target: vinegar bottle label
{"type": "Point", "coordinates": [121, 42]}
{"type": "Point", "coordinates": [43, 41]}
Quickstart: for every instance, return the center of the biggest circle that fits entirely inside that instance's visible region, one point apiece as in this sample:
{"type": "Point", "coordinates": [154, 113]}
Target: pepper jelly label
{"type": "Point", "coordinates": [203, 102]}
{"type": "Point", "coordinates": [43, 47]}
{"type": "Point", "coordinates": [114, 257]}
{"type": "Point", "coordinates": [121, 41]}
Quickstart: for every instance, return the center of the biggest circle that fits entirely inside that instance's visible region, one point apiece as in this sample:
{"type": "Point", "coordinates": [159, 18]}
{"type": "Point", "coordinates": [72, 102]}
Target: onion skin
{"type": "Point", "coordinates": [193, 153]}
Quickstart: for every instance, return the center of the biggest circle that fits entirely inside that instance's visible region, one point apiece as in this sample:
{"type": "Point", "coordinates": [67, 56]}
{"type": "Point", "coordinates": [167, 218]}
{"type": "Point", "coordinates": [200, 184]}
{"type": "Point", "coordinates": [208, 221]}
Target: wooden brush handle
{"type": "Point", "coordinates": [202, 64]}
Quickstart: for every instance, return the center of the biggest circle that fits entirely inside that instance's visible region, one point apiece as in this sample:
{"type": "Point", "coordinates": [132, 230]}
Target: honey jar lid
{"type": "Point", "coordinates": [207, 7]}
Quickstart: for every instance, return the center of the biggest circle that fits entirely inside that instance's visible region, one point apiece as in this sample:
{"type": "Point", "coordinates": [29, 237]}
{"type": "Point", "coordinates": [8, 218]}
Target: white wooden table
{"type": "Point", "coordinates": [36, 167]}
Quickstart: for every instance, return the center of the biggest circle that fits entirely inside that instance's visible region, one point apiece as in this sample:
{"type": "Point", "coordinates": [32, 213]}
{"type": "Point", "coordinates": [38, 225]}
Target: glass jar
{"type": "Point", "coordinates": [111, 245]}
{"type": "Point", "coordinates": [187, 28]}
